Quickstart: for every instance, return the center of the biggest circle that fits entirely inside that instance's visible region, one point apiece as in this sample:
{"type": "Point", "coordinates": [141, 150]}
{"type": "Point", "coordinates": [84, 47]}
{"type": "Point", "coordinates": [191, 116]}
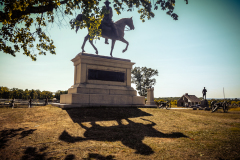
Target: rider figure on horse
{"type": "Point", "coordinates": [107, 20]}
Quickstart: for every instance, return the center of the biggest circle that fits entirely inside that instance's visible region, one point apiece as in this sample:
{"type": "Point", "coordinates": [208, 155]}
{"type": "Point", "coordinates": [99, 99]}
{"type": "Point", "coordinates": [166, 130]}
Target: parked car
{"type": "Point", "coordinates": [198, 105]}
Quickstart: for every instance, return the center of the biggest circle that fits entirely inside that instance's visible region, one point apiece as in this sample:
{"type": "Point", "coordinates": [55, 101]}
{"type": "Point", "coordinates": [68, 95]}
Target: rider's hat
{"type": "Point", "coordinates": [107, 2]}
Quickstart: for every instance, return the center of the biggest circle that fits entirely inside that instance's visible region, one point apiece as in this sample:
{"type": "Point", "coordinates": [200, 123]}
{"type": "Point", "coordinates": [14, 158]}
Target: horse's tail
{"type": "Point", "coordinates": [79, 18]}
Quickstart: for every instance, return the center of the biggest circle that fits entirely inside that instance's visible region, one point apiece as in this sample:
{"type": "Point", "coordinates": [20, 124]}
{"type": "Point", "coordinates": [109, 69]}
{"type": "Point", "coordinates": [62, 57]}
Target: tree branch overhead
{"type": "Point", "coordinates": [14, 38]}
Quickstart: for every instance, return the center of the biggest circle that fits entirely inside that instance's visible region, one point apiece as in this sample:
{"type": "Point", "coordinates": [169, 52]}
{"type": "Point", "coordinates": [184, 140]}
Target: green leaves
{"type": "Point", "coordinates": [16, 93]}
{"type": "Point", "coordinates": [19, 18]}
{"type": "Point", "coordinates": [142, 77]}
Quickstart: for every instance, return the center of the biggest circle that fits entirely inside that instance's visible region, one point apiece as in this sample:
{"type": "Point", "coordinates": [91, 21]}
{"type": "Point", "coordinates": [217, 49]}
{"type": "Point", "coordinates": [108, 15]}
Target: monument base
{"type": "Point", "coordinates": [101, 81]}
{"type": "Point", "coordinates": [204, 103]}
{"type": "Point", "coordinates": [101, 95]}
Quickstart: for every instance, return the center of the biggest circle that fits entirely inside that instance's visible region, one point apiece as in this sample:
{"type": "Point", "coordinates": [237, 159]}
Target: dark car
{"type": "Point", "coordinates": [198, 105]}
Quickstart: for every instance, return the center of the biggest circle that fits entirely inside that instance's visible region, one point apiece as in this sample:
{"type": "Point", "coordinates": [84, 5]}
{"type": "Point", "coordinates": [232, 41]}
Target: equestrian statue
{"type": "Point", "coordinates": [110, 30]}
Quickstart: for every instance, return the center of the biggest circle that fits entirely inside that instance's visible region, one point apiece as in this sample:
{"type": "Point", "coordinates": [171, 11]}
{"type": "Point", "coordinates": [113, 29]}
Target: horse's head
{"type": "Point", "coordinates": [78, 18]}
{"type": "Point", "coordinates": [130, 23]}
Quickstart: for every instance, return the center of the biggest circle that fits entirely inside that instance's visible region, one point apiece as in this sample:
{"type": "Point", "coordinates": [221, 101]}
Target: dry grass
{"type": "Point", "coordinates": [235, 109]}
{"type": "Point", "coordinates": [118, 133]}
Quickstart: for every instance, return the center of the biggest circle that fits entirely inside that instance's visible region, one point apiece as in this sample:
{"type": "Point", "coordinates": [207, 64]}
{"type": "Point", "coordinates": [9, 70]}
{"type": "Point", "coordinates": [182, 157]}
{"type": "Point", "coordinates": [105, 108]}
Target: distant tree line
{"type": "Point", "coordinates": [233, 102]}
{"type": "Point", "coordinates": [6, 93]}
{"type": "Point", "coordinates": [171, 100]}
{"type": "Point", "coordinates": [58, 93]}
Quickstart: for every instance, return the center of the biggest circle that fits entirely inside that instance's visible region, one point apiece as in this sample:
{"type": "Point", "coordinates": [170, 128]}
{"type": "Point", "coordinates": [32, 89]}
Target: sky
{"type": "Point", "coordinates": [201, 49]}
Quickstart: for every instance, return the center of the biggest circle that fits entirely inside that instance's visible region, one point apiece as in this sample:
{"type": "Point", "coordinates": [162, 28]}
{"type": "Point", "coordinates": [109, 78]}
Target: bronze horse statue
{"type": "Point", "coordinates": [109, 34]}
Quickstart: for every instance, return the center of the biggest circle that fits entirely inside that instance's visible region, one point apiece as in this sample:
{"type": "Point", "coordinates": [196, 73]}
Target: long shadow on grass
{"type": "Point", "coordinates": [40, 154]}
{"type": "Point", "coordinates": [6, 135]}
{"type": "Point", "coordinates": [99, 157]}
{"type": "Point", "coordinates": [130, 135]}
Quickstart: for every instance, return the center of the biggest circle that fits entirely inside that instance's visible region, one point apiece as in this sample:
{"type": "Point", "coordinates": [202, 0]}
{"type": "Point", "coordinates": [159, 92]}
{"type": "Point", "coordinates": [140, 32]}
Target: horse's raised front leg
{"type": "Point", "coordinates": [91, 42]}
{"type": "Point", "coordinates": [106, 41]}
{"type": "Point", "coordinates": [124, 41]}
{"type": "Point", "coordinates": [113, 43]}
{"type": "Point", "coordinates": [84, 42]}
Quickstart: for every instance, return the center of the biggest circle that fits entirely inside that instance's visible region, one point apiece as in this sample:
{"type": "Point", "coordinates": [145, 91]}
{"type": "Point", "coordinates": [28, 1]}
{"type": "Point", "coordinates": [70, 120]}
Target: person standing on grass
{"type": "Point", "coordinates": [13, 100]}
{"type": "Point", "coordinates": [30, 103]}
{"type": "Point", "coordinates": [46, 101]}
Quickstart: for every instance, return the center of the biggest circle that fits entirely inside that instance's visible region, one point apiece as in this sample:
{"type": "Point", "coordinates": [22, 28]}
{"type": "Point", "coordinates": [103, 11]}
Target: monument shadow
{"type": "Point", "coordinates": [9, 134]}
{"type": "Point", "coordinates": [131, 134]}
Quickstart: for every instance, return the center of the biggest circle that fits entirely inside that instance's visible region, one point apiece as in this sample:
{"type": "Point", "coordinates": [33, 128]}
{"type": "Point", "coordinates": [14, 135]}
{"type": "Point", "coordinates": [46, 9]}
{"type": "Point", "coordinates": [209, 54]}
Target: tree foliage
{"type": "Point", "coordinates": [58, 93]}
{"type": "Point", "coordinates": [16, 93]}
{"type": "Point", "coordinates": [142, 77]}
{"type": "Point", "coordinates": [24, 23]}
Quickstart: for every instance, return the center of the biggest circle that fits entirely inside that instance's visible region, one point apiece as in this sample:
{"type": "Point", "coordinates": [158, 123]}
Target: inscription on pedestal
{"type": "Point", "coordinates": [105, 75]}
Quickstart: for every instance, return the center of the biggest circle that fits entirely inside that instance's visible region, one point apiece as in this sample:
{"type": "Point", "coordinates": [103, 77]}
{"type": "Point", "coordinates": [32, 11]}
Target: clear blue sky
{"type": "Point", "coordinates": [201, 49]}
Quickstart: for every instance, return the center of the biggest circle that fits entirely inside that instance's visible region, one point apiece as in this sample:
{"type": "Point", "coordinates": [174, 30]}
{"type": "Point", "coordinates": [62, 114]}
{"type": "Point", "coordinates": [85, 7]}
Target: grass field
{"type": "Point", "coordinates": [118, 133]}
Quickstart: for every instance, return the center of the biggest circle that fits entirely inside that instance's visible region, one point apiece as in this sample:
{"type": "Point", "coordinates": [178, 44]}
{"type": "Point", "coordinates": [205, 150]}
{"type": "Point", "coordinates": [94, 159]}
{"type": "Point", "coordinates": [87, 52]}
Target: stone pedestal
{"type": "Point", "coordinates": [101, 81]}
{"type": "Point", "coordinates": [150, 97]}
{"type": "Point", "coordinates": [204, 103]}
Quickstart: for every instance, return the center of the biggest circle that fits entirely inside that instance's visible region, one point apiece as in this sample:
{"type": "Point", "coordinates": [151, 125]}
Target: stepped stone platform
{"type": "Point", "coordinates": [101, 81]}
